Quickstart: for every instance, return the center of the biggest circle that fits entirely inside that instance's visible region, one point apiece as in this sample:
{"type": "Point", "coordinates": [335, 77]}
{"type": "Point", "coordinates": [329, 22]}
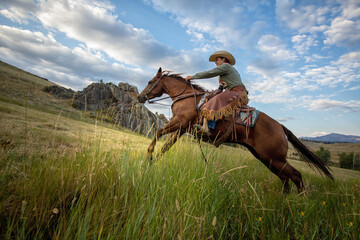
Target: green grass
{"type": "Point", "coordinates": [63, 176]}
{"type": "Point", "coordinates": [101, 192]}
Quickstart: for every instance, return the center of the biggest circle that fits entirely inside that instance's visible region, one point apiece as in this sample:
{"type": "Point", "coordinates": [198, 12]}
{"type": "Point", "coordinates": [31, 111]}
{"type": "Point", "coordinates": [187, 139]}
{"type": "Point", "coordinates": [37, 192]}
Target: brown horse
{"type": "Point", "coordinates": [267, 140]}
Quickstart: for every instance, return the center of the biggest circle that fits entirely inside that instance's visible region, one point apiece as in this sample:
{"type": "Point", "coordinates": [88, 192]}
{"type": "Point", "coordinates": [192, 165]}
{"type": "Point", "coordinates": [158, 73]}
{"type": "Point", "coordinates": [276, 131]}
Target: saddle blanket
{"type": "Point", "coordinates": [201, 102]}
{"type": "Point", "coordinates": [247, 118]}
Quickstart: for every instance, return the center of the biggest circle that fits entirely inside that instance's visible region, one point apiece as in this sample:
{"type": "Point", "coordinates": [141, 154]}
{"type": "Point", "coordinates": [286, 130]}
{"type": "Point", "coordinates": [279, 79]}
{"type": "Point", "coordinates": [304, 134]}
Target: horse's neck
{"type": "Point", "coordinates": [174, 87]}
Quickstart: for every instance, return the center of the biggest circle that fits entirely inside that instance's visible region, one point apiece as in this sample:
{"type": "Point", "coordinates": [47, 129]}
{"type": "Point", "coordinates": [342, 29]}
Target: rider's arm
{"type": "Point", "coordinates": [219, 70]}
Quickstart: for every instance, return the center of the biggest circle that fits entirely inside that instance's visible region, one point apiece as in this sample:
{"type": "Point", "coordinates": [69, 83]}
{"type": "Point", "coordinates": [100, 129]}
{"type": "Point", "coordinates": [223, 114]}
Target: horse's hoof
{"type": "Point", "coordinates": [302, 193]}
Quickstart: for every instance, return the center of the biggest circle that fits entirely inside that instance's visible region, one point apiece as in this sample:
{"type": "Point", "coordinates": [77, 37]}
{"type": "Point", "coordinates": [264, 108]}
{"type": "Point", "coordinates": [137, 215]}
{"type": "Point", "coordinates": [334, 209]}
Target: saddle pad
{"type": "Point", "coordinates": [200, 105]}
{"type": "Point", "coordinates": [247, 118]}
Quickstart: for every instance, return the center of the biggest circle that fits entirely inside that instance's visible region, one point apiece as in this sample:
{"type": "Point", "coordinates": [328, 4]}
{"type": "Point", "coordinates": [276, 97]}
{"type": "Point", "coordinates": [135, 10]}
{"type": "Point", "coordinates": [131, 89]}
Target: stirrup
{"type": "Point", "coordinates": [204, 129]}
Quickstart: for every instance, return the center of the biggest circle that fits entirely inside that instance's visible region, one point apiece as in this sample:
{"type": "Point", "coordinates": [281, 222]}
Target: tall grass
{"type": "Point", "coordinates": [108, 193]}
{"type": "Point", "coordinates": [66, 179]}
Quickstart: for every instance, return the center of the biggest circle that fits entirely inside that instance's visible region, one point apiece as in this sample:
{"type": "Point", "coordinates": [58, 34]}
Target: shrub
{"type": "Point", "coordinates": [324, 154]}
{"type": "Point", "coordinates": [350, 160]}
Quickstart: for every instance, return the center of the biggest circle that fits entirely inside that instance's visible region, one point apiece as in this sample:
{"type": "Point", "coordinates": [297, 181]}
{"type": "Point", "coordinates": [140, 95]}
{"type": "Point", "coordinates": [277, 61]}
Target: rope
{"type": "Point", "coordinates": [197, 114]}
{"type": "Point", "coordinates": [153, 101]}
{"type": "Point", "coordinates": [202, 152]}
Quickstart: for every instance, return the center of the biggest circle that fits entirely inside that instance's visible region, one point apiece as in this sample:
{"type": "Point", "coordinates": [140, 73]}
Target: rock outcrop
{"type": "Point", "coordinates": [119, 102]}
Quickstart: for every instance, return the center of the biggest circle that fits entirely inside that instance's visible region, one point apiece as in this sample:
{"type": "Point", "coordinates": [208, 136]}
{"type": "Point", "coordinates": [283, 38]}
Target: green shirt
{"type": "Point", "coordinates": [227, 73]}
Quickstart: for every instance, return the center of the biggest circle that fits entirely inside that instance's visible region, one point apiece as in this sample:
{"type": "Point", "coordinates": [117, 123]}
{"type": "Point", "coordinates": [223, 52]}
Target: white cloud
{"type": "Point", "coordinates": [273, 55]}
{"type": "Point", "coordinates": [330, 104]}
{"type": "Point", "coordinates": [273, 47]}
{"type": "Point", "coordinates": [284, 120]}
{"type": "Point", "coordinates": [280, 86]}
{"type": "Point", "coordinates": [13, 16]}
{"type": "Point", "coordinates": [318, 134]}
{"type": "Point", "coordinates": [302, 43]}
{"type": "Point", "coordinates": [343, 71]}
{"type": "Point", "coordinates": [341, 27]}
{"type": "Point", "coordinates": [314, 58]}
{"type": "Point", "coordinates": [270, 89]}
{"type": "Point", "coordinates": [224, 22]}
{"type": "Point", "coordinates": [301, 18]}
{"type": "Point", "coordinates": [343, 31]}
{"type": "Point", "coordinates": [76, 67]}
{"type": "Point", "coordinates": [18, 10]}
{"type": "Point", "coordinates": [351, 8]}
{"type": "Point", "coordinates": [96, 24]}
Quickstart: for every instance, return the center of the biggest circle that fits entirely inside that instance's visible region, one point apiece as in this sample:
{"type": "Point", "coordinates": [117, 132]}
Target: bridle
{"type": "Point", "coordinates": [174, 96]}
{"type": "Point", "coordinates": [152, 88]}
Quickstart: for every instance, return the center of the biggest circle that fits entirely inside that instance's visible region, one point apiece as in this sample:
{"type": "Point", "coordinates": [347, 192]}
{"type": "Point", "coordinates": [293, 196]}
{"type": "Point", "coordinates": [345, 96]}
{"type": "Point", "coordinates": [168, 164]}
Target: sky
{"type": "Point", "coordinates": [299, 60]}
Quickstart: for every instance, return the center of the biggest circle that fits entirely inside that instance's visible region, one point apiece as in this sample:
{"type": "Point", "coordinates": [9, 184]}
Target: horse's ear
{"type": "Point", "coordinates": [159, 71]}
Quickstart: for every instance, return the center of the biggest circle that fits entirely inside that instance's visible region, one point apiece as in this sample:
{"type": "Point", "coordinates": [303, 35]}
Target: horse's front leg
{"type": "Point", "coordinates": [171, 141]}
{"type": "Point", "coordinates": [171, 126]}
{"type": "Point", "coordinates": [151, 149]}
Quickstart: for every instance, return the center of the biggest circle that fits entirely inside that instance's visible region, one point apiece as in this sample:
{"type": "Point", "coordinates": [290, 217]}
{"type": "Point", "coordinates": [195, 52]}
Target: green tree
{"type": "Point", "coordinates": [324, 154]}
{"type": "Point", "coordinates": [350, 160]}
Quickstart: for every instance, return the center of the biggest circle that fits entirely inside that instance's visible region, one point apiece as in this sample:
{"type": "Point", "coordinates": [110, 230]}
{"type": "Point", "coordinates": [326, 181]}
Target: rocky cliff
{"type": "Point", "coordinates": [117, 102]}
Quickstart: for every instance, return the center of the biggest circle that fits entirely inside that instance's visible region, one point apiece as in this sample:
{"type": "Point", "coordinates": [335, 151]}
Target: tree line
{"type": "Point", "coordinates": [346, 160]}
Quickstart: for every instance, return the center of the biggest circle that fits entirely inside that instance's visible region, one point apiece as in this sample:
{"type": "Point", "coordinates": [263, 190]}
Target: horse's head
{"type": "Point", "coordinates": [153, 89]}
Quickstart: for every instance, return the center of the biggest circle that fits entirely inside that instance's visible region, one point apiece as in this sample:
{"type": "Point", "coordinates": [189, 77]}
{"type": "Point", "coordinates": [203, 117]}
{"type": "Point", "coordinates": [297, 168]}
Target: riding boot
{"type": "Point", "coordinates": [202, 126]}
{"type": "Point", "coordinates": [205, 128]}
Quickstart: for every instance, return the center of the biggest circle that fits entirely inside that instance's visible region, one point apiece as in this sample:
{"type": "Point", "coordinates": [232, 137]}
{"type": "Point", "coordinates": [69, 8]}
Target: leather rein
{"type": "Point", "coordinates": [178, 96]}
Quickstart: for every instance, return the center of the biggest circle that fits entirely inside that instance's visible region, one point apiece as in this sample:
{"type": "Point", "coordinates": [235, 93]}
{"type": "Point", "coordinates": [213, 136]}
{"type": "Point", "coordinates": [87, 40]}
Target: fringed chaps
{"type": "Point", "coordinates": [224, 104]}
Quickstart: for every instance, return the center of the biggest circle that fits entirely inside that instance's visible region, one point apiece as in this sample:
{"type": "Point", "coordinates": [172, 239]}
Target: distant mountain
{"type": "Point", "coordinates": [334, 137]}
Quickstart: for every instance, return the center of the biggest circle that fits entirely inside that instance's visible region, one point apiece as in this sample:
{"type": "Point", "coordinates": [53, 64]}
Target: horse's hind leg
{"type": "Point", "coordinates": [290, 172]}
{"type": "Point", "coordinates": [275, 167]}
{"type": "Point", "coordinates": [296, 178]}
{"type": "Point", "coordinates": [283, 177]}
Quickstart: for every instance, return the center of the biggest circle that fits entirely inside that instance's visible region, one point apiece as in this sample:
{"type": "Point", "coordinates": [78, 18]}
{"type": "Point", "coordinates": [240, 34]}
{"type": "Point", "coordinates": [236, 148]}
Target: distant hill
{"type": "Point", "coordinates": [334, 137]}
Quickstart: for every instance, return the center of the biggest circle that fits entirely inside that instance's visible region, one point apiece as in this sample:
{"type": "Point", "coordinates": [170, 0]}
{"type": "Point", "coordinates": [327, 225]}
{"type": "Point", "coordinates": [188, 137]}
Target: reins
{"type": "Point", "coordinates": [178, 96]}
{"type": "Point", "coordinates": [156, 100]}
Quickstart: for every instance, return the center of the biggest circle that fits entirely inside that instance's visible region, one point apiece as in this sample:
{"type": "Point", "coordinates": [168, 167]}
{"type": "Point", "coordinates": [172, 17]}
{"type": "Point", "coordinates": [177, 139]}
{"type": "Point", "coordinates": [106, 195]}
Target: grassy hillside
{"type": "Point", "coordinates": [63, 176]}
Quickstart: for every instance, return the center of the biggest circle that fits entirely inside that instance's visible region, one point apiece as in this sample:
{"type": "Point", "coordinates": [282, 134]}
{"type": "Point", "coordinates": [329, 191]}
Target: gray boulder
{"type": "Point", "coordinates": [120, 103]}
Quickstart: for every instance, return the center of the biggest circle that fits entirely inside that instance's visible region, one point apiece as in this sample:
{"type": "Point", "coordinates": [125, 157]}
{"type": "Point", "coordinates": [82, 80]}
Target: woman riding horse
{"type": "Point", "coordinates": [267, 140]}
{"type": "Point", "coordinates": [221, 104]}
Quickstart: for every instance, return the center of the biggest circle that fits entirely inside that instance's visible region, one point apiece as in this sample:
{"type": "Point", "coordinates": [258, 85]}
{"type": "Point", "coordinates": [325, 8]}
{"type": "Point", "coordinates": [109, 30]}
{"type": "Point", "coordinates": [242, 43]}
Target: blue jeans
{"type": "Point", "coordinates": [211, 124]}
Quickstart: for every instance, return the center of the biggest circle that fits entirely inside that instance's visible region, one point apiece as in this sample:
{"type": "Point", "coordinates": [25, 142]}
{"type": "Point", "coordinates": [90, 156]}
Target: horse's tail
{"type": "Point", "coordinates": [309, 156]}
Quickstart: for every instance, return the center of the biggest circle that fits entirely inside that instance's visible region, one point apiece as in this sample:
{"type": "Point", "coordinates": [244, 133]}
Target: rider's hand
{"type": "Point", "coordinates": [188, 78]}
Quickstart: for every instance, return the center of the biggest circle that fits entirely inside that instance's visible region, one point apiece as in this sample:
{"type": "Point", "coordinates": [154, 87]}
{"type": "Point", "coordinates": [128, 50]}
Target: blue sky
{"type": "Point", "coordinates": [300, 60]}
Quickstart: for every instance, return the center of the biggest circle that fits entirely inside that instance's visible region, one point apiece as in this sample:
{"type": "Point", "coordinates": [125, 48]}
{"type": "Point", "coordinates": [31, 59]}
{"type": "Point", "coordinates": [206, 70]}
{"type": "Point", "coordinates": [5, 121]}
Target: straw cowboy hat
{"type": "Point", "coordinates": [224, 54]}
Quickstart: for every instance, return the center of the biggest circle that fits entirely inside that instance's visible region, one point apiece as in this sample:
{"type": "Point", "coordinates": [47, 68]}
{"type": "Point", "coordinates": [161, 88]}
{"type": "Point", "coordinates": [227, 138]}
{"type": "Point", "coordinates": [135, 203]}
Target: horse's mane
{"type": "Point", "coordinates": [178, 77]}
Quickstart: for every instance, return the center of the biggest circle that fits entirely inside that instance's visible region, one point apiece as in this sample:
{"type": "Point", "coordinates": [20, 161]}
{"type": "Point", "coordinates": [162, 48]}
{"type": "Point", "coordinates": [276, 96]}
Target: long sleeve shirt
{"type": "Point", "coordinates": [227, 73]}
